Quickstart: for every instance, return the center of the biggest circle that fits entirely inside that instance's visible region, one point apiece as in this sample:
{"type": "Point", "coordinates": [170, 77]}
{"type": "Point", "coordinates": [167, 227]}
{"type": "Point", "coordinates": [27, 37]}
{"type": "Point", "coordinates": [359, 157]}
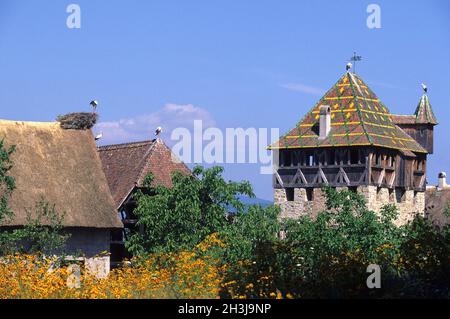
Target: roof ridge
{"type": "Point", "coordinates": [125, 145]}
{"type": "Point", "coordinates": [142, 163]}
{"type": "Point", "coordinates": [308, 112]}
{"type": "Point", "coordinates": [358, 105]}
{"type": "Point", "coordinates": [3, 121]}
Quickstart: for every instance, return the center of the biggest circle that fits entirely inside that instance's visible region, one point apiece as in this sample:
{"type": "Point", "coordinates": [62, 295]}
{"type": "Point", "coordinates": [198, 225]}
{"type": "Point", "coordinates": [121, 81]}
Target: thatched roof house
{"type": "Point", "coordinates": [62, 167]}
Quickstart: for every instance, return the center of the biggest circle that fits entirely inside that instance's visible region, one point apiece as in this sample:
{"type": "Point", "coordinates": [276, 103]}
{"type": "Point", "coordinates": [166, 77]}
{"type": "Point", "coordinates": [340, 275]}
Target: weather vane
{"type": "Point", "coordinates": [354, 59]}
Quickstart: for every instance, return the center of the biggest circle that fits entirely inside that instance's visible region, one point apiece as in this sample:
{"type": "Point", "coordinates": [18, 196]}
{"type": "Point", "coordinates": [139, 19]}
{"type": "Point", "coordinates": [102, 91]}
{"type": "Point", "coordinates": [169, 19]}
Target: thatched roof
{"type": "Point", "coordinates": [126, 166]}
{"type": "Point", "coordinates": [63, 167]}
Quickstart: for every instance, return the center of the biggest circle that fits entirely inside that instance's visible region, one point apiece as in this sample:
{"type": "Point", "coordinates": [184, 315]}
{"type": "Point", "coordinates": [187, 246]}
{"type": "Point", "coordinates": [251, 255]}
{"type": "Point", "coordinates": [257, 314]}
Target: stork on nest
{"type": "Point", "coordinates": [77, 121]}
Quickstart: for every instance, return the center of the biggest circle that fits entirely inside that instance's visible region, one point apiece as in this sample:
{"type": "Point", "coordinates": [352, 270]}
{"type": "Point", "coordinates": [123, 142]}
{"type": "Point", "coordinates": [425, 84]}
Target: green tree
{"type": "Point", "coordinates": [249, 231]}
{"type": "Point", "coordinates": [43, 232]}
{"type": "Point", "coordinates": [179, 217]}
{"type": "Point", "coordinates": [7, 182]}
{"type": "Point", "coordinates": [323, 257]}
{"type": "Point", "coordinates": [330, 254]}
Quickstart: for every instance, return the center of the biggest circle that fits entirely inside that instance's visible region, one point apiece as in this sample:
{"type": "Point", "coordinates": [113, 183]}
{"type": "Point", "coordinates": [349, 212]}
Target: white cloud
{"type": "Point", "coordinates": [299, 87]}
{"type": "Point", "coordinates": [142, 127]}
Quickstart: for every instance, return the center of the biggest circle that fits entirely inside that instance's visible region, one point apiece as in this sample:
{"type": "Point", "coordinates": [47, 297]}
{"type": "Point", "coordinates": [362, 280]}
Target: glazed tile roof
{"type": "Point", "coordinates": [424, 112]}
{"type": "Point", "coordinates": [358, 118]}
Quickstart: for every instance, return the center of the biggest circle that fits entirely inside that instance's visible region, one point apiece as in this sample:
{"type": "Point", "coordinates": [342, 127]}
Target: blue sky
{"type": "Point", "coordinates": [231, 63]}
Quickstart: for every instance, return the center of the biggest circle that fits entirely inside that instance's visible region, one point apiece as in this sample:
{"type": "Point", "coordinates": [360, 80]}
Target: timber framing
{"type": "Point", "coordinates": [350, 167]}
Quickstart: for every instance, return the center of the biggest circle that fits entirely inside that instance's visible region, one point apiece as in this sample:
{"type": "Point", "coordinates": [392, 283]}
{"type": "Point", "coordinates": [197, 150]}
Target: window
{"type": "Point", "coordinates": [362, 157]}
{"type": "Point", "coordinates": [310, 194]}
{"type": "Point", "coordinates": [290, 194]}
{"type": "Point", "coordinates": [342, 157]}
{"type": "Point", "coordinates": [295, 158]}
{"type": "Point", "coordinates": [420, 165]}
{"type": "Point", "coordinates": [389, 161]}
{"type": "Point", "coordinates": [331, 157]}
{"type": "Point", "coordinates": [354, 156]}
{"type": "Point", "coordinates": [353, 189]}
{"type": "Point", "coordinates": [320, 158]}
{"type": "Point", "coordinates": [378, 162]}
{"type": "Point", "coordinates": [287, 158]}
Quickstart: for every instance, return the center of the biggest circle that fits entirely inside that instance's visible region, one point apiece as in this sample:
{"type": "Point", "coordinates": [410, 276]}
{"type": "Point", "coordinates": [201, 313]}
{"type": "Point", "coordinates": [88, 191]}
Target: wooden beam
{"type": "Point", "coordinates": [280, 181]}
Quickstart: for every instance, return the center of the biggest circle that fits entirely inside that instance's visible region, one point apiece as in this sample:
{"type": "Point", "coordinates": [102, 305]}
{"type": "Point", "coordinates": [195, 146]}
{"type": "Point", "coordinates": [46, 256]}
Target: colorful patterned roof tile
{"type": "Point", "coordinates": [358, 118]}
{"type": "Point", "coordinates": [424, 113]}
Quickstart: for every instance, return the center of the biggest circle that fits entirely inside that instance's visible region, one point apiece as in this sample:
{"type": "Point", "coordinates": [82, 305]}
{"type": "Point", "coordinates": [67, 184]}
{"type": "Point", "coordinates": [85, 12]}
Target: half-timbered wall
{"type": "Point", "coordinates": [350, 167]}
{"type": "Point", "coordinates": [382, 175]}
{"type": "Point", "coordinates": [422, 133]}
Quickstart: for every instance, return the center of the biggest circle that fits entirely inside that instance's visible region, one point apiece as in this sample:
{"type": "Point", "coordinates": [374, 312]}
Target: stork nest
{"type": "Point", "coordinates": [77, 121]}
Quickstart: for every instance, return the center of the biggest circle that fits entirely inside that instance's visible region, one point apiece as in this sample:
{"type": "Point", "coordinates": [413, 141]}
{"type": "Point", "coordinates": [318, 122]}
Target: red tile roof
{"type": "Point", "coordinates": [126, 166]}
{"type": "Point", "coordinates": [358, 118]}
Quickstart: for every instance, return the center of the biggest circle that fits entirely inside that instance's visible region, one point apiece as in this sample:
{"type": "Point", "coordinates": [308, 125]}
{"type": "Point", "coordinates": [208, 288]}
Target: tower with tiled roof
{"type": "Point", "coordinates": [420, 125]}
{"type": "Point", "coordinates": [349, 139]}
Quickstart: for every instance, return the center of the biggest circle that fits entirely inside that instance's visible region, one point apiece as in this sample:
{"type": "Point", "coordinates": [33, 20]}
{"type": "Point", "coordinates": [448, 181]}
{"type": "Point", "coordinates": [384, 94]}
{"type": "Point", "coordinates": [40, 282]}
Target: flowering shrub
{"type": "Point", "coordinates": [190, 274]}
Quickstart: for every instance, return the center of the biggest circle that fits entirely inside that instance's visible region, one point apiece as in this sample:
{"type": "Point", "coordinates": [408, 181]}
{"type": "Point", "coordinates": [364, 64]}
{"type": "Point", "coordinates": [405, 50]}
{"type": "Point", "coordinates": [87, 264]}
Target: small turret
{"type": "Point", "coordinates": [420, 125]}
{"type": "Point", "coordinates": [424, 113]}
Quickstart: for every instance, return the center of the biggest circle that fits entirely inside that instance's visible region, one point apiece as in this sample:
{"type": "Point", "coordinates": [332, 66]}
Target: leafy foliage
{"type": "Point", "coordinates": [184, 215]}
{"type": "Point", "coordinates": [7, 182]}
{"type": "Point", "coordinates": [43, 233]}
{"type": "Point", "coordinates": [322, 257]}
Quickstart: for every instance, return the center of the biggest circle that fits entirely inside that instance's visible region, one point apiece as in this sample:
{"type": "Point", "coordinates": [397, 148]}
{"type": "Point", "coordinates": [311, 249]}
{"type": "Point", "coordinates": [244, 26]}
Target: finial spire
{"type": "Point", "coordinates": [354, 59]}
{"type": "Point", "coordinates": [424, 113]}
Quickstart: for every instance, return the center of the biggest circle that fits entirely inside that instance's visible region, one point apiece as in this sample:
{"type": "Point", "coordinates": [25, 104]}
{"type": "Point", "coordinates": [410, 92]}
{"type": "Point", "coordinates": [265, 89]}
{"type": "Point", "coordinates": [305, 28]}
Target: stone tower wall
{"type": "Point", "coordinates": [408, 202]}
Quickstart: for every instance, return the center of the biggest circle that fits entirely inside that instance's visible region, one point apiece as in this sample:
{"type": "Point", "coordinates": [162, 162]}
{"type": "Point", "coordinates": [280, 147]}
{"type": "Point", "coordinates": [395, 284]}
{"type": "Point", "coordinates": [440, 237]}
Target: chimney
{"type": "Point", "coordinates": [324, 121]}
{"type": "Point", "coordinates": [442, 178]}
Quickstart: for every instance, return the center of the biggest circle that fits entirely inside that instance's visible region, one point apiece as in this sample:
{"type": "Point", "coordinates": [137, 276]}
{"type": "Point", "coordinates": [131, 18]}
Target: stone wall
{"type": "Point", "coordinates": [300, 205]}
{"type": "Point", "coordinates": [90, 245]}
{"type": "Point", "coordinates": [408, 202]}
{"type": "Point", "coordinates": [88, 242]}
